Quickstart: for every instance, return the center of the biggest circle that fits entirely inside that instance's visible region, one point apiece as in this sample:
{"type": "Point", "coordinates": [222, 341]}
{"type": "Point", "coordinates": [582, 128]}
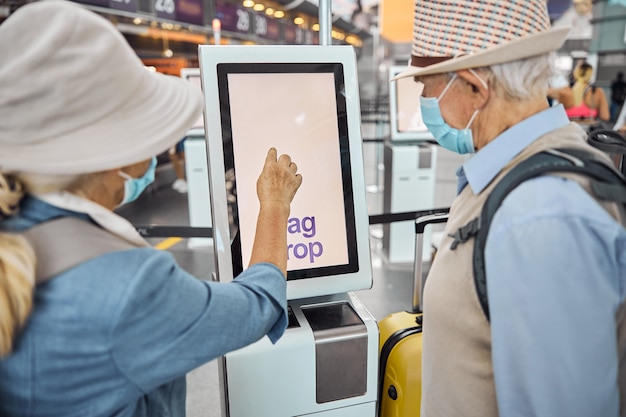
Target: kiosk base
{"type": "Point", "coordinates": [325, 364]}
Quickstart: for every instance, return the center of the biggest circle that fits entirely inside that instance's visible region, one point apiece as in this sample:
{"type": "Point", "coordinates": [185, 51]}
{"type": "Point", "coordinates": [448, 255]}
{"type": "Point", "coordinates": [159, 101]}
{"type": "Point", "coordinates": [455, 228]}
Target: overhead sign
{"type": "Point", "coordinates": [128, 5]}
{"type": "Point", "coordinates": [188, 11]}
{"type": "Point", "coordinates": [233, 18]}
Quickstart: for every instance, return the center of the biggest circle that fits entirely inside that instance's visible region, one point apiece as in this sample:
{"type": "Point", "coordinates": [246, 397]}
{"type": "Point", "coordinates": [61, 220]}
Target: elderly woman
{"type": "Point", "coordinates": [93, 321]}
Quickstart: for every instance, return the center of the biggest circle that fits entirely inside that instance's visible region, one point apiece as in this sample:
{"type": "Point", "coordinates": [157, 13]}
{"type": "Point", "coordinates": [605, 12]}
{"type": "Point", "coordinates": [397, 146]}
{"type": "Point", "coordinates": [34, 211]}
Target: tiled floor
{"type": "Point", "coordinates": [390, 292]}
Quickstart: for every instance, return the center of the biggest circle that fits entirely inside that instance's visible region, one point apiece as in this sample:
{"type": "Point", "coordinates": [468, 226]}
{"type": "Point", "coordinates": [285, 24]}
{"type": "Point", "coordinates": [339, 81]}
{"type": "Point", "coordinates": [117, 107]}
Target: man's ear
{"type": "Point", "coordinates": [480, 91]}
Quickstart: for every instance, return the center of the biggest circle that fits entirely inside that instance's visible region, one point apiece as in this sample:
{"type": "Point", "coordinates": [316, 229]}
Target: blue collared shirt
{"type": "Point", "coordinates": [483, 167]}
{"type": "Point", "coordinates": [556, 275]}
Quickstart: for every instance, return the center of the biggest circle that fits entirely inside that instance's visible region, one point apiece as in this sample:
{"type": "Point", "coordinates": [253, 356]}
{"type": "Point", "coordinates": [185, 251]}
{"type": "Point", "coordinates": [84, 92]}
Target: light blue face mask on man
{"type": "Point", "coordinates": [133, 187]}
{"type": "Point", "coordinates": [455, 140]}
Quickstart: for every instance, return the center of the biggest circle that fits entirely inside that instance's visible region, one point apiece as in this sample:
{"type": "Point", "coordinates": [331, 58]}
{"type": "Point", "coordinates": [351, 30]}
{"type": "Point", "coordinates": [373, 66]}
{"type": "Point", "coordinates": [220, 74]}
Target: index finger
{"type": "Point", "coordinates": [271, 155]}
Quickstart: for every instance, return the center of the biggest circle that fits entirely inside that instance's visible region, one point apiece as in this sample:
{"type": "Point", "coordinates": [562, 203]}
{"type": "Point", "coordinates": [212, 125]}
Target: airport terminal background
{"type": "Point", "coordinates": [167, 41]}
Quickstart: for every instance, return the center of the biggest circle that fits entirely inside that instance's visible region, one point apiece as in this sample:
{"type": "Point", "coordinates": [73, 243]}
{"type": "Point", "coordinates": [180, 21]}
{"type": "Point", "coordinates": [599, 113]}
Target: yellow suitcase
{"type": "Point", "coordinates": [400, 360]}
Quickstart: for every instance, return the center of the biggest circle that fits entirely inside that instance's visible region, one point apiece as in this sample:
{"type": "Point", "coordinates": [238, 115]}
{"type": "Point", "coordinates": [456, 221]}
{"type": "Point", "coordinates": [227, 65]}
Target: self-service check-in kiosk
{"type": "Point", "coordinates": [410, 161]}
{"type": "Point", "coordinates": [302, 100]}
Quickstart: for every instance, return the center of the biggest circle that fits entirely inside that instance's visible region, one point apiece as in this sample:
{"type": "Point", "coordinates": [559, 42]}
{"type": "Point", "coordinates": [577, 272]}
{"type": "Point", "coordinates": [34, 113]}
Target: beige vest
{"type": "Point", "coordinates": [457, 370]}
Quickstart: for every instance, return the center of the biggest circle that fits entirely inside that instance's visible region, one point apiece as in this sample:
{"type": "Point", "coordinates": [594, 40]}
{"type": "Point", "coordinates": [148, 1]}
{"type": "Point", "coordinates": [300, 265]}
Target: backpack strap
{"type": "Point", "coordinates": [606, 184]}
{"type": "Point", "coordinates": [63, 243]}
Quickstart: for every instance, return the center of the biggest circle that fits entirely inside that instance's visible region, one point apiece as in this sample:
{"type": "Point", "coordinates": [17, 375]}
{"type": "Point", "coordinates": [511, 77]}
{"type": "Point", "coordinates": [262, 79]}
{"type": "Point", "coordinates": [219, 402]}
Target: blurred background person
{"type": "Point", "coordinates": [584, 102]}
{"type": "Point", "coordinates": [618, 94]}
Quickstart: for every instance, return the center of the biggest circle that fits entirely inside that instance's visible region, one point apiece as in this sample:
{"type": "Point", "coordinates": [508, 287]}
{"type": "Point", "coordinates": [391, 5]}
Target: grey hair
{"type": "Point", "coordinates": [523, 79]}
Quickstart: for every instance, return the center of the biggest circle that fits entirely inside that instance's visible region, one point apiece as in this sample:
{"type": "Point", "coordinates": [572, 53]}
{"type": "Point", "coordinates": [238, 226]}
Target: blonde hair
{"type": "Point", "coordinates": [582, 76]}
{"type": "Point", "coordinates": [17, 269]}
{"type": "Point", "coordinates": [17, 278]}
{"type": "Point", "coordinates": [17, 257]}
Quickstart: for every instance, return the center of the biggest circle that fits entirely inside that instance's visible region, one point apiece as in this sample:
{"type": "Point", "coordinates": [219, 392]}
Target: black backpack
{"type": "Point", "coordinates": [607, 183]}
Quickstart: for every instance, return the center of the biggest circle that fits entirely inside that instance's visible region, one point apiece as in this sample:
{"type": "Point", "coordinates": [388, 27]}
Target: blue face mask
{"type": "Point", "coordinates": [133, 187]}
{"type": "Point", "coordinates": [459, 141]}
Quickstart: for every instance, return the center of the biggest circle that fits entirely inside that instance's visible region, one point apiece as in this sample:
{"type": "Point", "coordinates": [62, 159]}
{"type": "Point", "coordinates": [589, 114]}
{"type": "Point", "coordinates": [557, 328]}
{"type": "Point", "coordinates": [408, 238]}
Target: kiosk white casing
{"type": "Point", "coordinates": [326, 362]}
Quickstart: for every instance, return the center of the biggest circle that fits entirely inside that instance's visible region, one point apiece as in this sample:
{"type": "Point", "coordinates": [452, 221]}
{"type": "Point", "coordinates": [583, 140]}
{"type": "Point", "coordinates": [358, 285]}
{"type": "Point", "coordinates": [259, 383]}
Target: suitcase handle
{"type": "Point", "coordinates": [422, 222]}
{"type": "Point", "coordinates": [418, 280]}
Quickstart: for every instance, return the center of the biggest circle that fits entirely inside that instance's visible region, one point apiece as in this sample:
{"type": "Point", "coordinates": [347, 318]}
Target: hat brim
{"type": "Point", "coordinates": [511, 51]}
{"type": "Point", "coordinates": [156, 117]}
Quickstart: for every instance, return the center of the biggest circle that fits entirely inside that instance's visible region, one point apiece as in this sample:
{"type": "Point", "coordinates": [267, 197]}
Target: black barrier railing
{"type": "Point", "coordinates": [151, 231]}
{"type": "Point", "coordinates": [174, 231]}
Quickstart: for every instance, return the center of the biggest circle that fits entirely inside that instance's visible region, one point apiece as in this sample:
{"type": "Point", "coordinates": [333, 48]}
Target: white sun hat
{"type": "Point", "coordinates": [75, 98]}
{"type": "Point", "coordinates": [450, 35]}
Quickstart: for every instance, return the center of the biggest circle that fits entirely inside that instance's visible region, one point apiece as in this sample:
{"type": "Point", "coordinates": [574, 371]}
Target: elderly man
{"type": "Point", "coordinates": [555, 259]}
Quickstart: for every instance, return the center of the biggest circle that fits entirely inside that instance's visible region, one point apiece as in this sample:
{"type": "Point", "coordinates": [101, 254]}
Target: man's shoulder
{"type": "Point", "coordinates": [551, 197]}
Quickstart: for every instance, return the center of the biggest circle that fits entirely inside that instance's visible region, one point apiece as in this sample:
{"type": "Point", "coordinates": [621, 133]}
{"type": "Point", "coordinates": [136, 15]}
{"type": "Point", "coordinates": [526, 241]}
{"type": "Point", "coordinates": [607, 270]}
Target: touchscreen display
{"type": "Point", "coordinates": [300, 109]}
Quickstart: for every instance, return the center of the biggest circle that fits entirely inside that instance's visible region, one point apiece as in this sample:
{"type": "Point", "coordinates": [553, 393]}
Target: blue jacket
{"type": "Point", "coordinates": [115, 335]}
